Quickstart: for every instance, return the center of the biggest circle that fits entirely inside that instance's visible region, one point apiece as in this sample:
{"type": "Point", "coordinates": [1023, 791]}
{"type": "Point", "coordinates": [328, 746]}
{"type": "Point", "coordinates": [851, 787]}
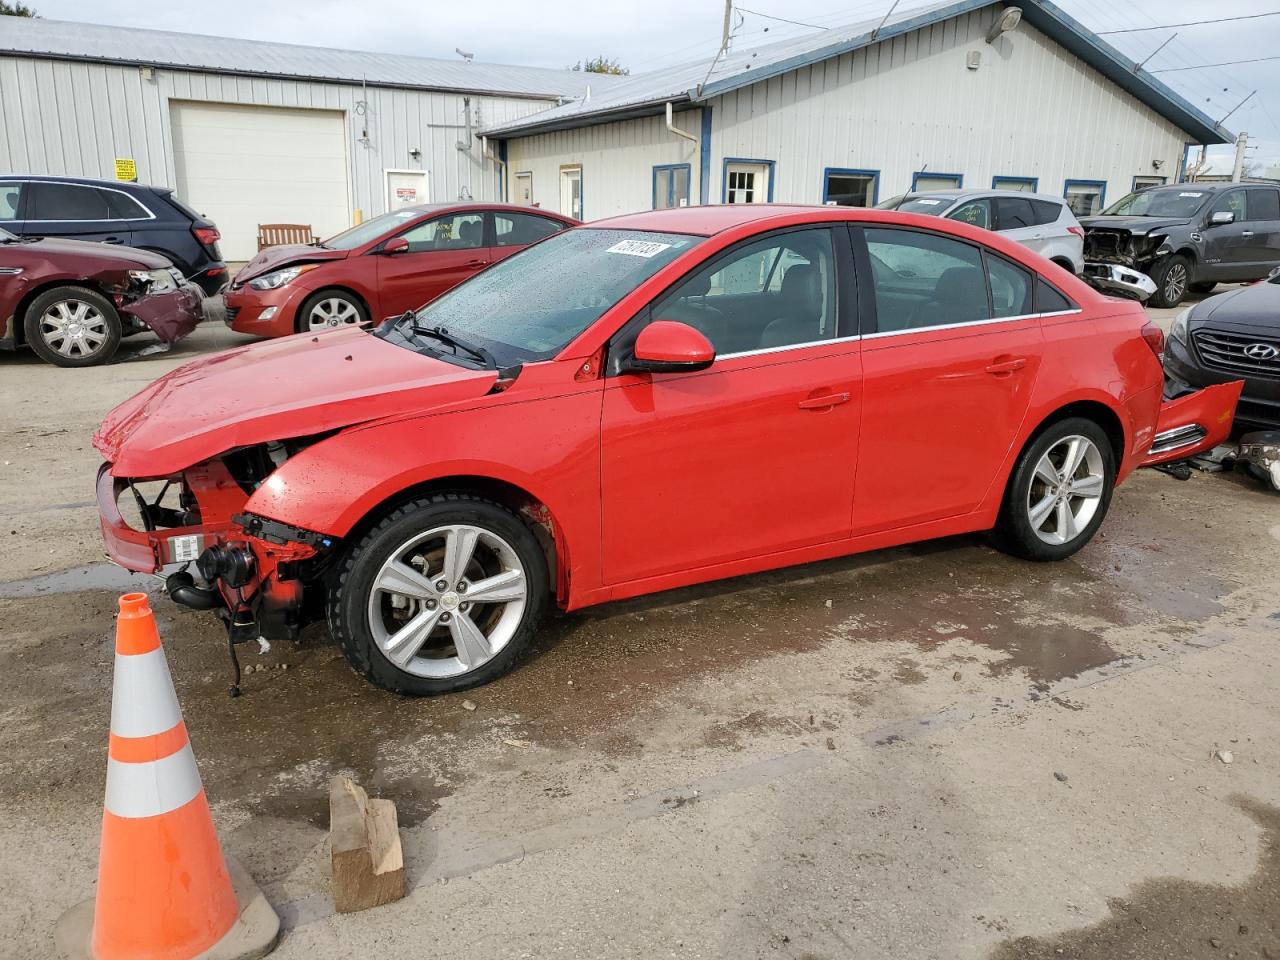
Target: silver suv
{"type": "Point", "coordinates": [1036, 220]}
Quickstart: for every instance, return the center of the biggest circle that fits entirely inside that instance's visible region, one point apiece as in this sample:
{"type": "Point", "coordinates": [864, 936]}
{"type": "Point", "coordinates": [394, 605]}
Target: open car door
{"type": "Point", "coordinates": [1194, 423]}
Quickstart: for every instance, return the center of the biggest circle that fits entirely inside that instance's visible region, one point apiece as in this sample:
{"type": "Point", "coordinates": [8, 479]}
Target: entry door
{"type": "Point", "coordinates": [571, 192]}
{"type": "Point", "coordinates": [747, 183]}
{"type": "Point", "coordinates": [522, 188]}
{"type": "Point", "coordinates": [405, 188]}
{"type": "Point", "coordinates": [442, 253]}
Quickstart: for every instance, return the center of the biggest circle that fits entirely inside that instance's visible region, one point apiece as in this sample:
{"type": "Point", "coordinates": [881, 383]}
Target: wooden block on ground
{"type": "Point", "coordinates": [368, 863]}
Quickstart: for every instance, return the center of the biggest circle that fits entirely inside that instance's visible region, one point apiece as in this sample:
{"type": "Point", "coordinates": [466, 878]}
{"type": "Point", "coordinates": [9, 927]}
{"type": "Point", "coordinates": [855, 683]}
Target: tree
{"type": "Point", "coordinates": [599, 65]}
{"type": "Point", "coordinates": [15, 10]}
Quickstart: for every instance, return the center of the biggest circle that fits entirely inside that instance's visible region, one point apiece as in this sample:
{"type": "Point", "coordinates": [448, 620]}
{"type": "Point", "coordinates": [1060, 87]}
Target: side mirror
{"type": "Point", "coordinates": [395, 245]}
{"type": "Point", "coordinates": [1221, 218]}
{"type": "Point", "coordinates": [666, 346]}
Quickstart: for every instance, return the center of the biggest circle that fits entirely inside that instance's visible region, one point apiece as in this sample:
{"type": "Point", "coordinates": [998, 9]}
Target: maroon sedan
{"type": "Point", "coordinates": [380, 268]}
{"type": "Point", "coordinates": [72, 301]}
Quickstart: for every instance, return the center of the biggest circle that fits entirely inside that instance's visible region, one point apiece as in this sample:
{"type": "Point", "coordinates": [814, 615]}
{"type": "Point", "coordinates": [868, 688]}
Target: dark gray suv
{"type": "Point", "coordinates": [1188, 237]}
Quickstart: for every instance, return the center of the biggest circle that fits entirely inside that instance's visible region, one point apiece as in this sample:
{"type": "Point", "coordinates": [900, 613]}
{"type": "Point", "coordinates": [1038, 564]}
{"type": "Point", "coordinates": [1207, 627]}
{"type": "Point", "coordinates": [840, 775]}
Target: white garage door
{"type": "Point", "coordinates": [241, 166]}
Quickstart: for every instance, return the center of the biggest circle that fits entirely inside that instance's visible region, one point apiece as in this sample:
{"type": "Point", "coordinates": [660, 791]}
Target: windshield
{"type": "Point", "coordinates": [530, 305]}
{"type": "Point", "coordinates": [1158, 203]}
{"type": "Point", "coordinates": [930, 206]}
{"type": "Point", "coordinates": [370, 230]}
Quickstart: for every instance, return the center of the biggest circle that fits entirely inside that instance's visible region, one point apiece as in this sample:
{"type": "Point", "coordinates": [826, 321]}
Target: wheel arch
{"type": "Point", "coordinates": [28, 298]}
{"type": "Point", "coordinates": [331, 288]}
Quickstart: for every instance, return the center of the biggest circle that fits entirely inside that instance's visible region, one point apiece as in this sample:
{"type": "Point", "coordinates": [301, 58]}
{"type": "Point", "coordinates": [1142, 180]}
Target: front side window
{"type": "Point", "coordinates": [1084, 197]}
{"type": "Point", "coordinates": [850, 189]}
{"type": "Point", "coordinates": [976, 213]}
{"type": "Point", "coordinates": [462, 231]}
{"type": "Point", "coordinates": [925, 280]}
{"type": "Point", "coordinates": [10, 197]}
{"type": "Point", "coordinates": [774, 292]}
{"type": "Point", "coordinates": [522, 229]}
{"type": "Point", "coordinates": [1232, 201]}
{"type": "Point", "coordinates": [65, 201]}
{"type": "Point", "coordinates": [528, 306]}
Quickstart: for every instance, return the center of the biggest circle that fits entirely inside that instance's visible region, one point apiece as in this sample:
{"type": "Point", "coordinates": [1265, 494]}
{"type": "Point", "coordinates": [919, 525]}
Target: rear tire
{"type": "Point", "coordinates": [72, 327]}
{"type": "Point", "coordinates": [1059, 493]}
{"type": "Point", "coordinates": [1203, 288]}
{"type": "Point", "coordinates": [1172, 277]}
{"type": "Point", "coordinates": [444, 594]}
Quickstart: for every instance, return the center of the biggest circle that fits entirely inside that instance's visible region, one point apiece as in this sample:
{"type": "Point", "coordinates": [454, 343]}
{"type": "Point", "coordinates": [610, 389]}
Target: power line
{"type": "Point", "coordinates": [769, 16]}
{"type": "Point", "coordinates": [1190, 23]}
{"type": "Point", "coordinates": [1207, 66]}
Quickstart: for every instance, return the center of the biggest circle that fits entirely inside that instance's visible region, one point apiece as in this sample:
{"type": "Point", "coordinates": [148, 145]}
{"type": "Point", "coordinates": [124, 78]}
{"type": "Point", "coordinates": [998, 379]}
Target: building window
{"type": "Point", "coordinates": [748, 181]}
{"type": "Point", "coordinates": [671, 186]}
{"type": "Point", "coordinates": [1142, 183]}
{"type": "Point", "coordinates": [922, 182]}
{"type": "Point", "coordinates": [1085, 197]}
{"type": "Point", "coordinates": [1022, 184]}
{"type": "Point", "coordinates": [850, 188]}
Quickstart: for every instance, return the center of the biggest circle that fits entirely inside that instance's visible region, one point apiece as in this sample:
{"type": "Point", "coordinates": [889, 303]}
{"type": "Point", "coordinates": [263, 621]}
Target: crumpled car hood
{"type": "Point", "coordinates": [273, 258]}
{"type": "Point", "coordinates": [292, 387]}
{"type": "Point", "coordinates": [1140, 225]}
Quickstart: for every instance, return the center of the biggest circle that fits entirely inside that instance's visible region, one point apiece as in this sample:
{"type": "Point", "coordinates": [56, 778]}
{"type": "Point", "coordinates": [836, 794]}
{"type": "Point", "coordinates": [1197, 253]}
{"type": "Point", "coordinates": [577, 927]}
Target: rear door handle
{"type": "Point", "coordinates": [1246, 233]}
{"type": "Point", "coordinates": [1002, 368]}
{"type": "Point", "coordinates": [475, 263]}
{"type": "Point", "coordinates": [823, 402]}
{"type": "Point", "coordinates": [112, 240]}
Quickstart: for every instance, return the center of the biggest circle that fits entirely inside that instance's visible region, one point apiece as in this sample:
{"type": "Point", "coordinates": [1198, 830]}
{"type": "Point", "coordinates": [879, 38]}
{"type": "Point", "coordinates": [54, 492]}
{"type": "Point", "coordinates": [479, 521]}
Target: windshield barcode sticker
{"type": "Point", "coordinates": [638, 248]}
{"type": "Point", "coordinates": [929, 203]}
{"type": "Point", "coordinates": [1191, 194]}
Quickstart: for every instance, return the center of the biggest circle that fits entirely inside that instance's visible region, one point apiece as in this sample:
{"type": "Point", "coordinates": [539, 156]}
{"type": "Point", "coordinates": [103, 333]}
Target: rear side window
{"type": "Point", "coordinates": [522, 229]}
{"type": "Point", "coordinates": [1264, 204]}
{"type": "Point", "coordinates": [122, 206]}
{"type": "Point", "coordinates": [1049, 300]}
{"type": "Point", "coordinates": [1014, 213]}
{"type": "Point", "coordinates": [924, 280]}
{"type": "Point", "coordinates": [1011, 288]}
{"type": "Point", "coordinates": [1045, 211]}
{"type": "Point", "coordinates": [10, 197]}
{"type": "Point", "coordinates": [66, 201]}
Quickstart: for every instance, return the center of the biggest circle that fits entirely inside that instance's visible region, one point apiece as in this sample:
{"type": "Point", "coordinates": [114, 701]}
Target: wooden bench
{"type": "Point", "coordinates": [280, 234]}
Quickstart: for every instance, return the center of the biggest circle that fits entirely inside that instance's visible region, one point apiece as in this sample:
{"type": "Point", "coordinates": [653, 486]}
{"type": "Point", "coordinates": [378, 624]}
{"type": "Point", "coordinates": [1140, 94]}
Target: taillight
{"type": "Point", "coordinates": [207, 235]}
{"type": "Point", "coordinates": [1154, 337]}
{"type": "Point", "coordinates": [1078, 231]}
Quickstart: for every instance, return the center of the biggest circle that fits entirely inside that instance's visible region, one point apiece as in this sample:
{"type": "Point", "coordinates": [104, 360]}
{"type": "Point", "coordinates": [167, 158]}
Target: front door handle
{"type": "Point", "coordinates": [112, 240]}
{"type": "Point", "coordinates": [474, 263]}
{"type": "Point", "coordinates": [1002, 368]}
{"type": "Point", "coordinates": [824, 402]}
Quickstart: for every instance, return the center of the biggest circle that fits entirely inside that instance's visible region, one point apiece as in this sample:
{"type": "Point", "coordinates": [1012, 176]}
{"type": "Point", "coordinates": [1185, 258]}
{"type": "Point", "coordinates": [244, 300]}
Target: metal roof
{"type": "Point", "coordinates": [645, 94]}
{"type": "Point", "coordinates": [54, 39]}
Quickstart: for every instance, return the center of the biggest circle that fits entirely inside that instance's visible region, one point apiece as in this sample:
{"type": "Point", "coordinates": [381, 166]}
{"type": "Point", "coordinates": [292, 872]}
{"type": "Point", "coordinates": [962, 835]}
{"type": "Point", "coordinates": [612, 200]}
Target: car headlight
{"type": "Point", "coordinates": [1179, 329]}
{"type": "Point", "coordinates": [156, 281]}
{"type": "Point", "coordinates": [278, 278]}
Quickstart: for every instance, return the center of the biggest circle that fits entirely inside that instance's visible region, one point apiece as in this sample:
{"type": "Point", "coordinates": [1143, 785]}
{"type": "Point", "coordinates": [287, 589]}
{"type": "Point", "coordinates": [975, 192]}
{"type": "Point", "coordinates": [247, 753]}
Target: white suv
{"type": "Point", "coordinates": [1036, 220]}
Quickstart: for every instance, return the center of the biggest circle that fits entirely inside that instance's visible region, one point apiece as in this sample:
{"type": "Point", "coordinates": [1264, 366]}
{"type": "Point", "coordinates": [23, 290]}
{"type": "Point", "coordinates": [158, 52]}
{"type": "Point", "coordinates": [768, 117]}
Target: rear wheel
{"type": "Point", "coordinates": [1172, 277]}
{"type": "Point", "coordinates": [444, 594]}
{"type": "Point", "coordinates": [327, 309]}
{"type": "Point", "coordinates": [72, 327]}
{"type": "Point", "coordinates": [1059, 492]}
{"type": "Point", "coordinates": [1203, 288]}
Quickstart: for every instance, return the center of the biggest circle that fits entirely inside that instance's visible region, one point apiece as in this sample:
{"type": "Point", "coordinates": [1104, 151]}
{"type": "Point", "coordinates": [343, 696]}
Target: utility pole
{"type": "Point", "coordinates": [1237, 173]}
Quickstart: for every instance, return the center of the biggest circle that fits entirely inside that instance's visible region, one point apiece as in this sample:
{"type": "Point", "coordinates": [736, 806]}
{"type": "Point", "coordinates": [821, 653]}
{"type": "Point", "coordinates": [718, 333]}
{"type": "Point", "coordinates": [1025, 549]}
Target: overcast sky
{"type": "Point", "coordinates": [655, 33]}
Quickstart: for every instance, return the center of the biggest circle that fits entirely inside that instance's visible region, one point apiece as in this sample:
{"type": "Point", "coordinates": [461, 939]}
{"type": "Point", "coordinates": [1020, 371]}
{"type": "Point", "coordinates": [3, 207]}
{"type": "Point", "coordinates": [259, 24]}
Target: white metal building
{"type": "Point", "coordinates": [251, 132]}
{"type": "Point", "coordinates": [935, 98]}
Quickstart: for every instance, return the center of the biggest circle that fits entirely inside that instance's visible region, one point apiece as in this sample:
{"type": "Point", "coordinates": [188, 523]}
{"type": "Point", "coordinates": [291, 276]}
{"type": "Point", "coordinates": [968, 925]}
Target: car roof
{"type": "Point", "coordinates": [707, 220]}
{"type": "Point", "coordinates": [125, 185]}
{"type": "Point", "coordinates": [1204, 187]}
{"type": "Point", "coordinates": [461, 206]}
{"type": "Point", "coordinates": [962, 193]}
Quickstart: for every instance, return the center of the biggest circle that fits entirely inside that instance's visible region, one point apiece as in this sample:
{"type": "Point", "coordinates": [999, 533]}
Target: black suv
{"type": "Point", "coordinates": [1189, 236]}
{"type": "Point", "coordinates": [130, 214]}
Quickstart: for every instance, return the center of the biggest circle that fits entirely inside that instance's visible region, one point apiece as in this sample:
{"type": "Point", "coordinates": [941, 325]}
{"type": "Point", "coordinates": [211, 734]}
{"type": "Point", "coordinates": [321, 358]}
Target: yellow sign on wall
{"type": "Point", "coordinates": [126, 170]}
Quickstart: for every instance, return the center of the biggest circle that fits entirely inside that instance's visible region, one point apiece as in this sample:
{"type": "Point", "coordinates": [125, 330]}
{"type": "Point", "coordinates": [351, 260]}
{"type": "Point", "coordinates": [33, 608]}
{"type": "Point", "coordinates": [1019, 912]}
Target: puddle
{"type": "Point", "coordinates": [93, 576]}
{"type": "Point", "coordinates": [1171, 919]}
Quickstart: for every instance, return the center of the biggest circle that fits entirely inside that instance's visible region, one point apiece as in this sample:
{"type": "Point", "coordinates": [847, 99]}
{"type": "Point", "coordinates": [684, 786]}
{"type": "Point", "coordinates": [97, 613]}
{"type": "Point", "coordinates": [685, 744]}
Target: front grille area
{"type": "Point", "coordinates": [231, 314]}
{"type": "Point", "coordinates": [1226, 351]}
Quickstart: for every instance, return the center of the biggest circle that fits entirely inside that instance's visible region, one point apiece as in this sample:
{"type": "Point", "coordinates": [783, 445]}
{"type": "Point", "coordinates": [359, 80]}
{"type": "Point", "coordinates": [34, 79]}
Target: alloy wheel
{"type": "Point", "coordinates": [1066, 490]}
{"type": "Point", "coordinates": [447, 601]}
{"type": "Point", "coordinates": [332, 312]}
{"type": "Point", "coordinates": [1175, 282]}
{"type": "Point", "coordinates": [73, 328]}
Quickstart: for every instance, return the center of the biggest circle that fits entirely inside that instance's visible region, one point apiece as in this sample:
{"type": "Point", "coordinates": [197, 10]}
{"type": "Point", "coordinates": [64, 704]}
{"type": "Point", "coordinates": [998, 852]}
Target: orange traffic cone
{"type": "Point", "coordinates": [164, 889]}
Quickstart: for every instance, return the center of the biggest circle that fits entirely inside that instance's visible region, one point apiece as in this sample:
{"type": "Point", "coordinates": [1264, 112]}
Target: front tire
{"type": "Point", "coordinates": [444, 594]}
{"type": "Point", "coordinates": [327, 309]}
{"type": "Point", "coordinates": [1059, 493]}
{"type": "Point", "coordinates": [1172, 277]}
{"type": "Point", "coordinates": [1204, 287]}
{"type": "Point", "coordinates": [72, 327]}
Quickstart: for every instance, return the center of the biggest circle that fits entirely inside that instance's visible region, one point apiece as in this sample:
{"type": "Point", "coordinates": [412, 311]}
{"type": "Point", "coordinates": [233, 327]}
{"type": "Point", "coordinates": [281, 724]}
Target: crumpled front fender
{"type": "Point", "coordinates": [1194, 423]}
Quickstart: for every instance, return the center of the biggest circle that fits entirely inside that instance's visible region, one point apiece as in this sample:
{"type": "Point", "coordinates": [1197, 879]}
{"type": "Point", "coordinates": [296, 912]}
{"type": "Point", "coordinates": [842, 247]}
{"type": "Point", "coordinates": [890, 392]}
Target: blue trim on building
{"type": "Point", "coordinates": [688, 183]}
{"type": "Point", "coordinates": [915, 177]}
{"type": "Point", "coordinates": [1100, 184]}
{"type": "Point", "coordinates": [724, 175]}
{"type": "Point", "coordinates": [852, 172]}
{"type": "Point", "coordinates": [704, 157]}
{"type": "Point", "coordinates": [1034, 181]}
{"type": "Point", "coordinates": [1181, 175]}
{"type": "Point", "coordinates": [503, 172]}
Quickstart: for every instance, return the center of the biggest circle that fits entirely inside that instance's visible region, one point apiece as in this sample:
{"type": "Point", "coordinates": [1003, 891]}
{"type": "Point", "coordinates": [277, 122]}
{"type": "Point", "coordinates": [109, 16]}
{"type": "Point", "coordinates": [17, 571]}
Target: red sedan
{"type": "Point", "coordinates": [379, 268]}
{"type": "Point", "coordinates": [647, 402]}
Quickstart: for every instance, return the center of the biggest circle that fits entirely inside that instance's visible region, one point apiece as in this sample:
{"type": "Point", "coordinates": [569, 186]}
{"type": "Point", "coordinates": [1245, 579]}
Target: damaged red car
{"type": "Point", "coordinates": [643, 403]}
{"type": "Point", "coordinates": [72, 302]}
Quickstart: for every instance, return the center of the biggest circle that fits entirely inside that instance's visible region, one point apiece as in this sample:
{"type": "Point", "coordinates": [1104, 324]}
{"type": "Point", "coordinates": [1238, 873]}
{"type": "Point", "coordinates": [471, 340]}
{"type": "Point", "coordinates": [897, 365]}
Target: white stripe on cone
{"type": "Point", "coordinates": [143, 702]}
{"type": "Point", "coordinates": [152, 788]}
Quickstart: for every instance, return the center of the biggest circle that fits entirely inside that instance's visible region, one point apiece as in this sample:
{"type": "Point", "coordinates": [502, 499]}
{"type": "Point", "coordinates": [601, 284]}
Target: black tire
{"type": "Point", "coordinates": [301, 322]}
{"type": "Point", "coordinates": [64, 351]}
{"type": "Point", "coordinates": [1066, 265]}
{"type": "Point", "coordinates": [352, 583]}
{"type": "Point", "coordinates": [1014, 533]}
{"type": "Point", "coordinates": [1172, 277]}
{"type": "Point", "coordinates": [1203, 288]}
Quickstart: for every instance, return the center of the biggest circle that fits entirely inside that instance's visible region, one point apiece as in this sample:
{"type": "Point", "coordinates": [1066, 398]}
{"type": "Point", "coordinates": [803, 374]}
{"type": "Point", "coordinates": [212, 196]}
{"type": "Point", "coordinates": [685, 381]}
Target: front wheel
{"type": "Point", "coordinates": [328, 309]}
{"type": "Point", "coordinates": [1059, 493]}
{"type": "Point", "coordinates": [444, 594]}
{"type": "Point", "coordinates": [1172, 277]}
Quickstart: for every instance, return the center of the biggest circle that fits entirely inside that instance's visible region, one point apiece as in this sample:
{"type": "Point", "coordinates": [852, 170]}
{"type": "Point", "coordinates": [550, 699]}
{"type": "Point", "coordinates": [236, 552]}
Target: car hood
{"type": "Point", "coordinates": [292, 387]}
{"type": "Point", "coordinates": [273, 258]}
{"type": "Point", "coordinates": [1251, 309]}
{"type": "Point", "coordinates": [1133, 224]}
{"type": "Point", "coordinates": [126, 257]}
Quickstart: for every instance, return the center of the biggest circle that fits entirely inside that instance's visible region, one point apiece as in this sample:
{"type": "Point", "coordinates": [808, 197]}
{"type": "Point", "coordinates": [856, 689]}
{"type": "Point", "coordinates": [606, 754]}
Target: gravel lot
{"type": "Point", "coordinates": [935, 751]}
